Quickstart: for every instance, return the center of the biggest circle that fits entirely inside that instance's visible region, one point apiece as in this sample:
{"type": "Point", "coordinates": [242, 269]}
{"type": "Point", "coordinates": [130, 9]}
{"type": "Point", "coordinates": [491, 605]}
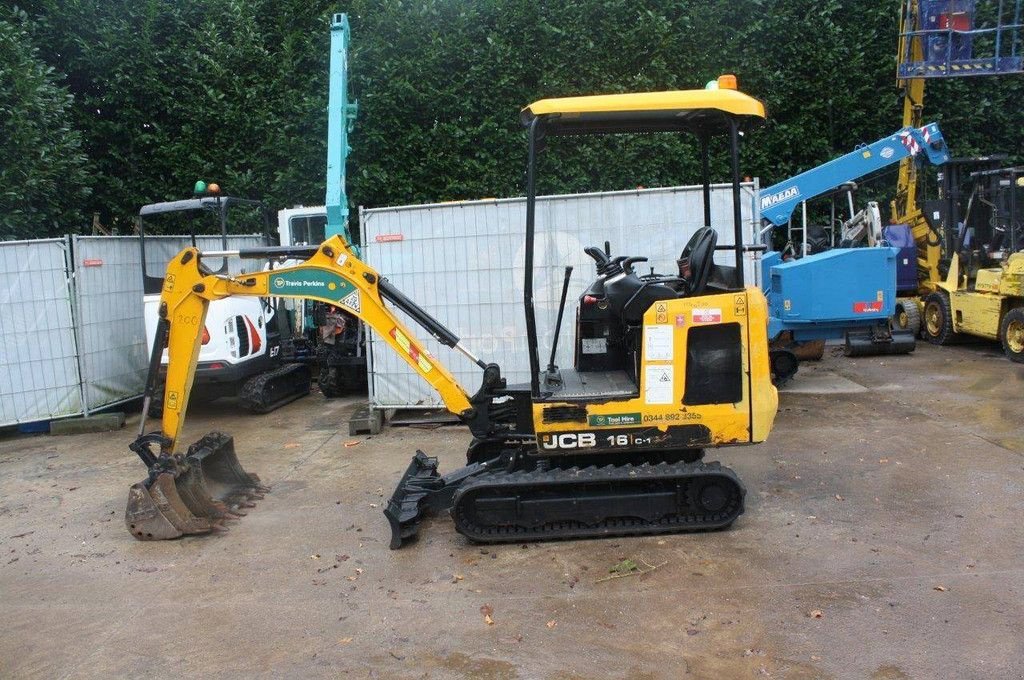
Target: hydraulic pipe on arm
{"type": "Point", "coordinates": [333, 275]}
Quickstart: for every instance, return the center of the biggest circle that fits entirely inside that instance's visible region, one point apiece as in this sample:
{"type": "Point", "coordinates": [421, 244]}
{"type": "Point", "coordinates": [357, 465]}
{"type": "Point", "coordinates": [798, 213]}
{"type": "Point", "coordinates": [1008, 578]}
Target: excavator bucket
{"type": "Point", "coordinates": [201, 492]}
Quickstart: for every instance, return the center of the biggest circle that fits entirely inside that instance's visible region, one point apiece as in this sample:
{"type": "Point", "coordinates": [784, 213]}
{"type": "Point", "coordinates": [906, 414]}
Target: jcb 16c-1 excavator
{"type": "Point", "coordinates": [666, 367]}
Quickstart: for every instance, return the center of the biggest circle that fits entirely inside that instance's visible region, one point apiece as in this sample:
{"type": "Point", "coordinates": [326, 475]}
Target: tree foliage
{"type": "Point", "coordinates": [42, 168]}
{"type": "Point", "coordinates": [235, 91]}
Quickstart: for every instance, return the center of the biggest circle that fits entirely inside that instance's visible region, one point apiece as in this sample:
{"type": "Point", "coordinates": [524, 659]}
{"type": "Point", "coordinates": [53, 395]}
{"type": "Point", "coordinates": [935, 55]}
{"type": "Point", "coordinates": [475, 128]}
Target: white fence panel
{"type": "Point", "coordinates": [108, 293]}
{"type": "Point", "coordinates": [70, 346]}
{"type": "Point", "coordinates": [463, 263]}
{"type": "Point", "coordinates": [38, 362]}
{"type": "Point", "coordinates": [108, 311]}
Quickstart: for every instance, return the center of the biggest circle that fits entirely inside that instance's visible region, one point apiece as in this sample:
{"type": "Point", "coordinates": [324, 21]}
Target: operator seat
{"type": "Point", "coordinates": [697, 260]}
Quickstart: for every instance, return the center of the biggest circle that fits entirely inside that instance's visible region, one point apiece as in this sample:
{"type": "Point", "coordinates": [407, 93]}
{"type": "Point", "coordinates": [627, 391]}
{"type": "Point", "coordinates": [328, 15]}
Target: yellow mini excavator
{"type": "Point", "coordinates": [666, 366]}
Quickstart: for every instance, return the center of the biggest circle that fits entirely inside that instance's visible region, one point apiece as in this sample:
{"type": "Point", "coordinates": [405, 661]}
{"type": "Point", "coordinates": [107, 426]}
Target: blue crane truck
{"type": "Point", "coordinates": [845, 292]}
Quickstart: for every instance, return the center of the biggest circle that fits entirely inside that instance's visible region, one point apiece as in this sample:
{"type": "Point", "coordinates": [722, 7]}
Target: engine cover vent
{"type": "Point", "coordinates": [565, 414]}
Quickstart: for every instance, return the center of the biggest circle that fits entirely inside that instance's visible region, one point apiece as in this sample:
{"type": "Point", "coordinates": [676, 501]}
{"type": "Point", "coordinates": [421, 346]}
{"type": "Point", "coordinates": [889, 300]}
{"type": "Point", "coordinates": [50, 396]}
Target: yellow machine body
{"type": "Point", "coordinates": [669, 409]}
{"type": "Point", "coordinates": [336, 276]}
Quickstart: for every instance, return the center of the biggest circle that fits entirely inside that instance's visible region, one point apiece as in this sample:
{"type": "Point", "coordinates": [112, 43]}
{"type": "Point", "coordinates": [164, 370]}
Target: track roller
{"type": "Point", "coordinates": [868, 343]}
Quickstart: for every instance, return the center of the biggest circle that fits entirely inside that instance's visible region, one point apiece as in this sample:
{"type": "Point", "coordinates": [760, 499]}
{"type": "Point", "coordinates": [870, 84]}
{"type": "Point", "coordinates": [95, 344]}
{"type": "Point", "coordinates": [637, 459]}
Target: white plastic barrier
{"type": "Point", "coordinates": [38, 354]}
{"type": "Point", "coordinates": [463, 263]}
{"type": "Point", "coordinates": [72, 337]}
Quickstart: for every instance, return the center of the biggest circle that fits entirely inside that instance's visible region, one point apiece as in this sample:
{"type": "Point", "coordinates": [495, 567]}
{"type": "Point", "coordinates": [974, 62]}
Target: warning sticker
{"type": "Point", "coordinates": [352, 301]}
{"type": "Point", "coordinates": [867, 307]}
{"type": "Point", "coordinates": [658, 385]}
{"type": "Point", "coordinates": [708, 315]}
{"type": "Point", "coordinates": [658, 343]}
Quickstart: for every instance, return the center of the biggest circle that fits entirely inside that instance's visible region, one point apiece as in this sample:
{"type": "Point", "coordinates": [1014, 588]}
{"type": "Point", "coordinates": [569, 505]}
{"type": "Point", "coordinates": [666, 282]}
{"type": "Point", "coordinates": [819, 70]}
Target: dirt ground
{"type": "Point", "coordinates": [882, 539]}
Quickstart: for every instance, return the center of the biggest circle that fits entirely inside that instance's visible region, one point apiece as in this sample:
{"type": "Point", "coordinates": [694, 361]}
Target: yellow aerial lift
{"type": "Point", "coordinates": [666, 367]}
{"type": "Point", "coordinates": [979, 292]}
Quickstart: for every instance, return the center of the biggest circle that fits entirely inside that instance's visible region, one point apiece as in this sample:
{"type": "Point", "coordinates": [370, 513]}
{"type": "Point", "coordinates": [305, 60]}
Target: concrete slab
{"type": "Point", "coordinates": [810, 381]}
{"type": "Point", "coordinates": [99, 422]}
{"type": "Point", "coordinates": [893, 512]}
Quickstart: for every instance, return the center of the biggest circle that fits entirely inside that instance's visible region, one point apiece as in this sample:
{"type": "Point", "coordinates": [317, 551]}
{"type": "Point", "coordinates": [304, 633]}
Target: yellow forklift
{"type": "Point", "coordinates": [982, 294]}
{"type": "Point", "coordinates": [667, 366]}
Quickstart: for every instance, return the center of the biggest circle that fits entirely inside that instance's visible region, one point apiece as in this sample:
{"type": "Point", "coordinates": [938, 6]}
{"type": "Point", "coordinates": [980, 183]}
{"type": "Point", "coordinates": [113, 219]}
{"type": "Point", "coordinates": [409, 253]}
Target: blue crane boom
{"type": "Point", "coordinates": [778, 201]}
{"type": "Point", "coordinates": [341, 116]}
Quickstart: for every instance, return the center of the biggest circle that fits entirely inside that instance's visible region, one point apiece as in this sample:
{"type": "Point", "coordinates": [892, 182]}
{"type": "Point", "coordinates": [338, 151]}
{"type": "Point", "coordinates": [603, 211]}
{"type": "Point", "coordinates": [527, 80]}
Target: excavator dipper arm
{"type": "Point", "coordinates": [194, 492]}
{"type": "Point", "coordinates": [332, 274]}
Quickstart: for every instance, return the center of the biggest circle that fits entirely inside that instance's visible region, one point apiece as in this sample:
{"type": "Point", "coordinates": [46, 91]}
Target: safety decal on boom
{"type": "Point", "coordinates": [351, 301]}
{"type": "Point", "coordinates": [412, 350]}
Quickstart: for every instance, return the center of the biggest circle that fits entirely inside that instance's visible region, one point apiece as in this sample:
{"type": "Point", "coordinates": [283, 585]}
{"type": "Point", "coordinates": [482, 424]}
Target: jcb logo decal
{"type": "Point", "coordinates": [569, 440]}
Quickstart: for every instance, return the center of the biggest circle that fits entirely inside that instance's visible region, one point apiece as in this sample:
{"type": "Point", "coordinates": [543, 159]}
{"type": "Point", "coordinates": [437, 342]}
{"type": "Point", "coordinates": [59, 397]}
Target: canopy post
{"type": "Point", "coordinates": [737, 217]}
{"type": "Point", "coordinates": [531, 208]}
{"type": "Point", "coordinates": [705, 176]}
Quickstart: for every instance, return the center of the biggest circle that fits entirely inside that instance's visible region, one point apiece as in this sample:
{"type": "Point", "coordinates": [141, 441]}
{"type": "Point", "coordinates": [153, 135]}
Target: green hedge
{"type": "Point", "coordinates": [235, 91]}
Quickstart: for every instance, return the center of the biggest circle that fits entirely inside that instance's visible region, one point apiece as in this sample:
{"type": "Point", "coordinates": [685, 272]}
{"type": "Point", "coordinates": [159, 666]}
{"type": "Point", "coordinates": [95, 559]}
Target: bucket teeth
{"type": "Point", "coordinates": [208, 489]}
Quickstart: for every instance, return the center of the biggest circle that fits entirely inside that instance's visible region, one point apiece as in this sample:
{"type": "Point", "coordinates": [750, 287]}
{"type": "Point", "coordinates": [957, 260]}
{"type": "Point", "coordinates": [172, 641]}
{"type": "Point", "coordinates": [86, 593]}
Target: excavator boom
{"type": "Point", "coordinates": [194, 492]}
{"type": "Point", "coordinates": [332, 274]}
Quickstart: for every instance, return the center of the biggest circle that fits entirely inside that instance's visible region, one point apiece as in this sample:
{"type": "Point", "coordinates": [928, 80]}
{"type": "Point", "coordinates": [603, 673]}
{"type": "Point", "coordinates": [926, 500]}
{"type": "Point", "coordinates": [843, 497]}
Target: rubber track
{"type": "Point", "coordinates": [262, 393]}
{"type": "Point", "coordinates": [541, 484]}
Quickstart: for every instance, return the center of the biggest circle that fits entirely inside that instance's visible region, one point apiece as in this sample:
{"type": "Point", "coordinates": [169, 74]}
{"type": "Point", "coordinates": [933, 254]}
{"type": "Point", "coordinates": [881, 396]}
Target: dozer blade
{"type": "Point", "coordinates": [405, 507]}
{"type": "Point", "coordinates": [423, 491]}
{"type": "Point", "coordinates": [209, 488]}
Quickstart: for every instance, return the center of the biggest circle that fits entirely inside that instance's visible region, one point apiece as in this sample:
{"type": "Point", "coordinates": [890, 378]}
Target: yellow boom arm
{"type": "Point", "coordinates": [905, 208]}
{"type": "Point", "coordinates": [333, 275]}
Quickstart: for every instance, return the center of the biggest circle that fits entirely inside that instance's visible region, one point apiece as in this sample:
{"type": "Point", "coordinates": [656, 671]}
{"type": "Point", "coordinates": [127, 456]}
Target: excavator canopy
{"type": "Point", "coordinates": [698, 111]}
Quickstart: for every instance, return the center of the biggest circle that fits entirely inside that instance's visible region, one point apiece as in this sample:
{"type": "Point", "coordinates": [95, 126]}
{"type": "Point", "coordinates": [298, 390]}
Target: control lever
{"type": "Point", "coordinates": [552, 368]}
{"type": "Point", "coordinates": [612, 267]}
{"type": "Point", "coordinates": [627, 264]}
{"type": "Point", "coordinates": [597, 254]}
